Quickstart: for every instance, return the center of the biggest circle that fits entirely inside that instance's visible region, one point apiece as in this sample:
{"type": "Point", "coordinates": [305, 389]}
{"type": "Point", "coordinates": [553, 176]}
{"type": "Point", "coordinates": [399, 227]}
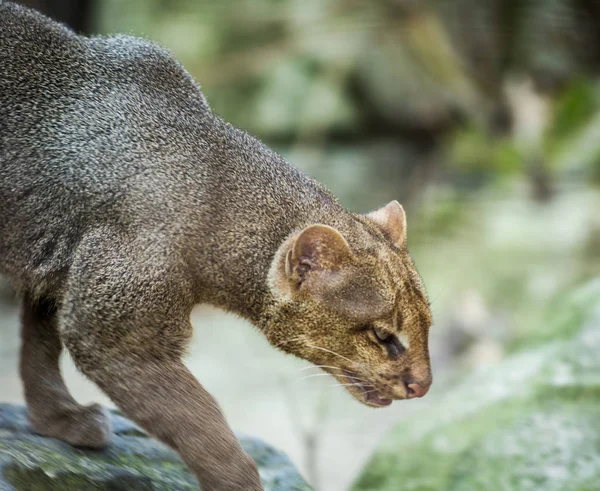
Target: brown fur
{"type": "Point", "coordinates": [371, 283]}
{"type": "Point", "coordinates": [125, 202]}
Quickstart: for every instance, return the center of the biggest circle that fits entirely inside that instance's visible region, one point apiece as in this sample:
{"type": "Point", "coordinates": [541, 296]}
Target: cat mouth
{"type": "Point", "coordinates": [368, 392]}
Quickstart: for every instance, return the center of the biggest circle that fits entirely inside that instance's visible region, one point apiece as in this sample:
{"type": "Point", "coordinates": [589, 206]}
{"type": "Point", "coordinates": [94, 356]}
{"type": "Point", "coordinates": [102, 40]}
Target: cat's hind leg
{"type": "Point", "coordinates": [52, 411]}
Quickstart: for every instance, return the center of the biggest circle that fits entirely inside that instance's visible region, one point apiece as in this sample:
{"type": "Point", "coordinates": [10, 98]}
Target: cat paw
{"type": "Point", "coordinates": [81, 426]}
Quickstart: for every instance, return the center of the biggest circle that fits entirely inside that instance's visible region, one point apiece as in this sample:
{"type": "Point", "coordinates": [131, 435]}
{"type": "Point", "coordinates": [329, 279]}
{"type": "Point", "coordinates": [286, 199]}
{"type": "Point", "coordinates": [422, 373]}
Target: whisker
{"type": "Point", "coordinates": [360, 379]}
{"type": "Point", "coordinates": [326, 374]}
{"type": "Point", "coordinates": [353, 377]}
{"type": "Point", "coordinates": [329, 351]}
{"type": "Point", "coordinates": [319, 366]}
{"type": "Point", "coordinates": [314, 375]}
{"type": "Point", "coordinates": [290, 340]}
{"type": "Point", "coordinates": [286, 341]}
{"type": "Point", "coordinates": [356, 385]}
{"type": "Point", "coordinates": [368, 391]}
{"type": "Point", "coordinates": [439, 294]}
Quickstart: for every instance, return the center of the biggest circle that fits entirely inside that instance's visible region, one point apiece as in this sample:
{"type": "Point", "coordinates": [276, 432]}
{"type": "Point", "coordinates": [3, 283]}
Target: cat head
{"type": "Point", "coordinates": [352, 302]}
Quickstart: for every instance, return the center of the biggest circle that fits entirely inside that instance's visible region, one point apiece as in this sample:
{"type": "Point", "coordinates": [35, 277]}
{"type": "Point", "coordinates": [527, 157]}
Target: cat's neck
{"type": "Point", "coordinates": [258, 200]}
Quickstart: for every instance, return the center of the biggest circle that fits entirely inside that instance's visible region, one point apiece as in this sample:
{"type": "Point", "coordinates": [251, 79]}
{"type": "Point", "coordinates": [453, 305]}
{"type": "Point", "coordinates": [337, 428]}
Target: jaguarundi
{"type": "Point", "coordinates": [125, 201]}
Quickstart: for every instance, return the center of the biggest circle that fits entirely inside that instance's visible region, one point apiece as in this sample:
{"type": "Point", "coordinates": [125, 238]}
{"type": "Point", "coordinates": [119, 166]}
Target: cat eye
{"type": "Point", "coordinates": [382, 336]}
{"type": "Point", "coordinates": [393, 346]}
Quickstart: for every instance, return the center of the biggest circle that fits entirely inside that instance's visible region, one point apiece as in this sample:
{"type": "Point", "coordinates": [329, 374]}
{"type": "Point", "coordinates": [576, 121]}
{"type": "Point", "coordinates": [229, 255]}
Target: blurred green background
{"type": "Point", "coordinates": [482, 119]}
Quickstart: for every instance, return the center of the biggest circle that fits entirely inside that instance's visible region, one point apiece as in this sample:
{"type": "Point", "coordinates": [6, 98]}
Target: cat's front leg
{"type": "Point", "coordinates": [125, 322]}
{"type": "Point", "coordinates": [165, 399]}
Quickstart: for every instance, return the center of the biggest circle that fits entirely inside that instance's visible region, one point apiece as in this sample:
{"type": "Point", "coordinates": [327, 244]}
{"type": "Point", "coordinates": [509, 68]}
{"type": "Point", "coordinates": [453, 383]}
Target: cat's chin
{"type": "Point", "coordinates": [364, 392]}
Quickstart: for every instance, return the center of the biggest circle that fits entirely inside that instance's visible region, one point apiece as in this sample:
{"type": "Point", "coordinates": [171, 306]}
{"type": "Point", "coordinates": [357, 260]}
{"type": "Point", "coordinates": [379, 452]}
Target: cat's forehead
{"type": "Point", "coordinates": [381, 283]}
{"type": "Point", "coordinates": [405, 288]}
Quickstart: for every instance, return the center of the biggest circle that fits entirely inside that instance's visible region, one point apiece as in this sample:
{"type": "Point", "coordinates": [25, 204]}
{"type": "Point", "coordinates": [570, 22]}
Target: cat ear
{"type": "Point", "coordinates": [392, 220]}
{"type": "Point", "coordinates": [317, 250]}
{"type": "Point", "coordinates": [312, 261]}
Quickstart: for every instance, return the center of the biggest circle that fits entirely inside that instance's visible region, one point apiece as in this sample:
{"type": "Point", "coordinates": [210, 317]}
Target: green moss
{"type": "Point", "coordinates": [530, 423]}
{"type": "Point", "coordinates": [566, 315]}
{"type": "Point", "coordinates": [555, 447]}
{"type": "Point", "coordinates": [548, 442]}
{"type": "Point", "coordinates": [24, 479]}
{"type": "Point", "coordinates": [30, 463]}
{"type": "Point", "coordinates": [428, 464]}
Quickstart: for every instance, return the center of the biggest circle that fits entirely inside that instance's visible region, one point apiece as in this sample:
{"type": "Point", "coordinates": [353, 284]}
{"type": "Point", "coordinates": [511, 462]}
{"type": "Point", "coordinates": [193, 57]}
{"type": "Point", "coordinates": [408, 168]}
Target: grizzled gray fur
{"type": "Point", "coordinates": [124, 202]}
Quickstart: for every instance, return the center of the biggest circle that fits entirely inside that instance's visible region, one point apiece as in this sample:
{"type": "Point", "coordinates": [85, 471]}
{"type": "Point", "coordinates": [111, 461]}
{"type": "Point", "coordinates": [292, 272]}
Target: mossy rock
{"type": "Point", "coordinates": [564, 317]}
{"type": "Point", "coordinates": [530, 423]}
{"type": "Point", "coordinates": [132, 462]}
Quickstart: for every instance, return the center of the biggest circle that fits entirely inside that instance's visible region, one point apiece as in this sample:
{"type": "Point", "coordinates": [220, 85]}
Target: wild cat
{"type": "Point", "coordinates": [124, 202]}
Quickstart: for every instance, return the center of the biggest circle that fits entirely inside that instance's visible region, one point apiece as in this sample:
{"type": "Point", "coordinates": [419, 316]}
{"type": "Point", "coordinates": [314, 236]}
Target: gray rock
{"type": "Point", "coordinates": [29, 462]}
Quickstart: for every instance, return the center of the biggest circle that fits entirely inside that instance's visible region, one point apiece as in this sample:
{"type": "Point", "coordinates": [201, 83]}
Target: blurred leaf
{"type": "Point", "coordinates": [572, 110]}
{"type": "Point", "coordinates": [471, 149]}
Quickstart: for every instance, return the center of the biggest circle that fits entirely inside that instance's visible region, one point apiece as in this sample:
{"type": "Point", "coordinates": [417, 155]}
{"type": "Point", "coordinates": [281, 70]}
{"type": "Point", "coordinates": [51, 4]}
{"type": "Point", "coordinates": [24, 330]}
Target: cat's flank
{"type": "Point", "coordinates": [124, 202]}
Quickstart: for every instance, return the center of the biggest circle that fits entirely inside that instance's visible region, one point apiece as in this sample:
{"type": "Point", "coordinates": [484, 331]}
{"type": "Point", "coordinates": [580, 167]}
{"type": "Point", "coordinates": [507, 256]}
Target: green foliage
{"type": "Point", "coordinates": [573, 110]}
{"type": "Point", "coordinates": [442, 219]}
{"type": "Point", "coordinates": [341, 70]}
{"type": "Point", "coordinates": [472, 150]}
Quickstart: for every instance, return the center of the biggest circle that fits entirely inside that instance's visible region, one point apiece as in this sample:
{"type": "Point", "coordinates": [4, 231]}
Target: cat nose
{"type": "Point", "coordinates": [416, 390]}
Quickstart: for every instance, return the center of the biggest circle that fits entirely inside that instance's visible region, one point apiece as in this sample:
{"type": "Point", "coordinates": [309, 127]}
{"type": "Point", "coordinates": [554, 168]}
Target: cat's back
{"type": "Point", "coordinates": [86, 126]}
{"type": "Point", "coordinates": [55, 83]}
{"type": "Point", "coordinates": [86, 114]}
